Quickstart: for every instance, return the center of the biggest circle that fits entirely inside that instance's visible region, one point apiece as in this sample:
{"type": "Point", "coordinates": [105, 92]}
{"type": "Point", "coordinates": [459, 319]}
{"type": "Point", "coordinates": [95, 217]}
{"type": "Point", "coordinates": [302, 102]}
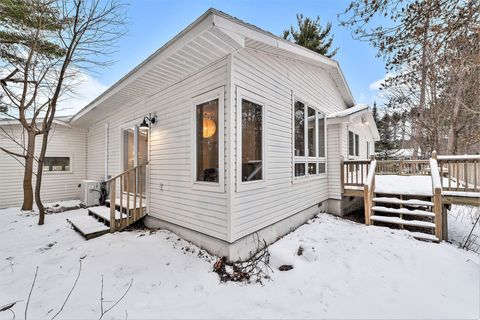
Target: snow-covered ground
{"type": "Point", "coordinates": [461, 220]}
{"type": "Point", "coordinates": [347, 271]}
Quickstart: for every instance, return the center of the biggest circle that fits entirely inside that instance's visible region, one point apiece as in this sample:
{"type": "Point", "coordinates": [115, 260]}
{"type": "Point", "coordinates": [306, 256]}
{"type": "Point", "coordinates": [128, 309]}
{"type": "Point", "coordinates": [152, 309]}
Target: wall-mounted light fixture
{"type": "Point", "coordinates": [151, 120]}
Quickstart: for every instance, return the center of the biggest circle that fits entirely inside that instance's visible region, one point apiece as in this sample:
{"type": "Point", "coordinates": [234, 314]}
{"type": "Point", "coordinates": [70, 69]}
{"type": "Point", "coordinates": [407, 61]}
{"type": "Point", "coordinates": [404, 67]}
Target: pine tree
{"type": "Point", "coordinates": [312, 35]}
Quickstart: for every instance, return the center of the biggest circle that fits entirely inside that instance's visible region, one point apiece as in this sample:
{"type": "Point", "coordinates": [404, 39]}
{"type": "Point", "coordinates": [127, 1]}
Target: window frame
{"type": "Point", "coordinates": [307, 159]}
{"type": "Point", "coordinates": [356, 144]}
{"type": "Point", "coordinates": [242, 94]}
{"type": "Point", "coordinates": [218, 93]}
{"type": "Point", "coordinates": [69, 156]}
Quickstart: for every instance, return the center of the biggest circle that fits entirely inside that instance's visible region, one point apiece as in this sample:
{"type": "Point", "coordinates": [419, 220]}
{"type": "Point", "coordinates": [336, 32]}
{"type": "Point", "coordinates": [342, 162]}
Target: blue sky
{"type": "Point", "coordinates": [151, 23]}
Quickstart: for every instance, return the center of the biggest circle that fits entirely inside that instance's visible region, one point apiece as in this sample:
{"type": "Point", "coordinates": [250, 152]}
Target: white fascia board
{"type": "Point", "coordinates": [199, 26]}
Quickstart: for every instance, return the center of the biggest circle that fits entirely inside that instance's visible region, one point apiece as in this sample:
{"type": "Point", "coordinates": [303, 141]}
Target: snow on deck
{"type": "Point", "coordinates": [347, 270]}
{"type": "Point", "coordinates": [408, 185]}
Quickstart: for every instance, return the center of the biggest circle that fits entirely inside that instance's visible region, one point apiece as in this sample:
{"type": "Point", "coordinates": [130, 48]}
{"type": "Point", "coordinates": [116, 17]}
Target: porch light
{"type": "Point", "coordinates": [209, 127]}
{"type": "Point", "coordinates": [144, 124]}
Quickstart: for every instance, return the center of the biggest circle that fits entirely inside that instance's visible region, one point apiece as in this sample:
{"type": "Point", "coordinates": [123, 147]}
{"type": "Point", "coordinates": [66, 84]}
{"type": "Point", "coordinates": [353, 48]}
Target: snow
{"type": "Point", "coordinates": [461, 220]}
{"type": "Point", "coordinates": [408, 185]}
{"type": "Point", "coordinates": [347, 270]}
{"type": "Point", "coordinates": [349, 111]}
{"type": "Point", "coordinates": [460, 157]}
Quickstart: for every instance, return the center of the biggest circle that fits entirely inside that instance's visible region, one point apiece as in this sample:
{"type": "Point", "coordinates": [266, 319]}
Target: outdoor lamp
{"type": "Point", "coordinates": [144, 124]}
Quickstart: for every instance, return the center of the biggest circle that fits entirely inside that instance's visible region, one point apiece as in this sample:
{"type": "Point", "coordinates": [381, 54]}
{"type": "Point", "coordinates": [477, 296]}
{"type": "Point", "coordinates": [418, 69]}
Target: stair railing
{"type": "Point", "coordinates": [128, 182]}
{"type": "Point", "coordinates": [369, 191]}
{"type": "Point", "coordinates": [437, 196]}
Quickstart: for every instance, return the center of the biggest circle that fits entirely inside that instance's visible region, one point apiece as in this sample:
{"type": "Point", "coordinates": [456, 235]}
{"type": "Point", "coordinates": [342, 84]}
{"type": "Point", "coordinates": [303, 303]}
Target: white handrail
{"type": "Point", "coordinates": [371, 173]}
{"type": "Point", "coordinates": [435, 174]}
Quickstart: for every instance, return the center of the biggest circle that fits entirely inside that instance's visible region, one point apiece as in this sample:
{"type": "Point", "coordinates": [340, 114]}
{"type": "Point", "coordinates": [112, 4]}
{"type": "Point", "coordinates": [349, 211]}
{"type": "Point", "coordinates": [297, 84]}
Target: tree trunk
{"type": "Point", "coordinates": [38, 182]}
{"type": "Point", "coordinates": [453, 133]}
{"type": "Point", "coordinates": [28, 172]}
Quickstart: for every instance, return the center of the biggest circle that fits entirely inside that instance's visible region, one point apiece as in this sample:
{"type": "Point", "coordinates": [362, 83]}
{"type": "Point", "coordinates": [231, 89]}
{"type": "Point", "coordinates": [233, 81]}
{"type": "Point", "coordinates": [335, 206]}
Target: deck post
{"type": "Point", "coordinates": [438, 208]}
{"type": "Point", "coordinates": [112, 206]}
{"type": "Point", "coordinates": [342, 175]}
{"type": "Point", "coordinates": [366, 204]}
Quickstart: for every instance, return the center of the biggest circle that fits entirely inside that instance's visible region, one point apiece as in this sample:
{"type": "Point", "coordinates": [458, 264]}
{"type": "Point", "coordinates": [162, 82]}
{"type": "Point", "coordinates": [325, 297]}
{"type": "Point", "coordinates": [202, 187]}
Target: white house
{"type": "Point", "coordinates": [248, 133]}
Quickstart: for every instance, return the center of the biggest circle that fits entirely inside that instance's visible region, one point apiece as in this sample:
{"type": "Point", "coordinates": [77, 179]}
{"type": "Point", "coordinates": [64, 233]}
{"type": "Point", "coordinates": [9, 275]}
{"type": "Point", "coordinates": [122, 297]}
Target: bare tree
{"type": "Point", "coordinates": [78, 34]}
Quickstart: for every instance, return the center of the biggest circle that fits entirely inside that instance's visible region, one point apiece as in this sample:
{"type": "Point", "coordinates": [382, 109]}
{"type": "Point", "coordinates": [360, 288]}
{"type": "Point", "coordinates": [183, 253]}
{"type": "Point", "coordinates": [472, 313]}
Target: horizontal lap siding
{"type": "Point", "coordinates": [273, 78]}
{"type": "Point", "coordinates": [172, 197]}
{"type": "Point", "coordinates": [63, 142]}
{"type": "Point", "coordinates": [96, 152]}
{"type": "Point", "coordinates": [365, 134]}
{"type": "Point", "coordinates": [333, 161]}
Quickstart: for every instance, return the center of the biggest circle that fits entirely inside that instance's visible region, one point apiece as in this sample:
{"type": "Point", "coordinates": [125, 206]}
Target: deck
{"type": "Point", "coordinates": [413, 194]}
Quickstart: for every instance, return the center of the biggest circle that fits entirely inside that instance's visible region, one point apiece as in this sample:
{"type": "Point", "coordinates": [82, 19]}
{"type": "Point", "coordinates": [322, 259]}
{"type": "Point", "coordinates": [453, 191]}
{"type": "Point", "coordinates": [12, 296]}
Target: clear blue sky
{"type": "Point", "coordinates": [153, 22]}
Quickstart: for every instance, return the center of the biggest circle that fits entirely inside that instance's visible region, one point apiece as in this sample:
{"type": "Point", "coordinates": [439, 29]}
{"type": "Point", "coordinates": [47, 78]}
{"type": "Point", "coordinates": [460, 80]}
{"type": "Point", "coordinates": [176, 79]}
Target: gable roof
{"type": "Point", "coordinates": [212, 36]}
{"type": "Point", "coordinates": [351, 114]}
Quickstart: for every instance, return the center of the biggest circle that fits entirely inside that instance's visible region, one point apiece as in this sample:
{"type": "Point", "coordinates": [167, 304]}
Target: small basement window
{"type": "Point", "coordinates": [55, 164]}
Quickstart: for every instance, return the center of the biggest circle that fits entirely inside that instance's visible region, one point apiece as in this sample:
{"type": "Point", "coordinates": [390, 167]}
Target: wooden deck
{"type": "Point", "coordinates": [412, 194]}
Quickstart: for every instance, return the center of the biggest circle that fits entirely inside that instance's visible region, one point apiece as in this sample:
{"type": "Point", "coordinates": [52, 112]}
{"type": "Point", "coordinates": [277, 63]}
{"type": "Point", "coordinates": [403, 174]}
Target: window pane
{"type": "Point", "coordinates": [357, 145]}
{"type": "Point", "coordinates": [321, 167]}
{"type": "Point", "coordinates": [312, 168]}
{"type": "Point", "coordinates": [207, 141]}
{"type": "Point", "coordinates": [312, 141]}
{"type": "Point", "coordinates": [299, 129]}
{"type": "Point", "coordinates": [251, 141]}
{"type": "Point", "coordinates": [321, 136]}
{"type": "Point", "coordinates": [56, 164]}
{"type": "Point", "coordinates": [350, 143]}
{"type": "Point", "coordinates": [299, 169]}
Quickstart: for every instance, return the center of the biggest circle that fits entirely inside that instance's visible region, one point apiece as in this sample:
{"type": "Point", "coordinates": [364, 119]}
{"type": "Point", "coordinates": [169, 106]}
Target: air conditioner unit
{"type": "Point", "coordinates": [90, 193]}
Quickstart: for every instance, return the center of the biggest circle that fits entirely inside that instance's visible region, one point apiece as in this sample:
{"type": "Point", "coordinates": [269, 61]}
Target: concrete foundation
{"type": "Point", "coordinates": [242, 248]}
{"type": "Point", "coordinates": [345, 206]}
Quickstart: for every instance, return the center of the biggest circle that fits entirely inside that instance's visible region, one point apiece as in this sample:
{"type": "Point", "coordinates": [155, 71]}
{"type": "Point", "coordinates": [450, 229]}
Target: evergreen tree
{"type": "Point", "coordinates": [312, 35]}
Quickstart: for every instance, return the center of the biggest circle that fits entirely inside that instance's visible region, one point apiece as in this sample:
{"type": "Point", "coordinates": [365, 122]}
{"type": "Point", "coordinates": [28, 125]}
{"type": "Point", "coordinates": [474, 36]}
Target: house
{"type": "Point", "coordinates": [243, 133]}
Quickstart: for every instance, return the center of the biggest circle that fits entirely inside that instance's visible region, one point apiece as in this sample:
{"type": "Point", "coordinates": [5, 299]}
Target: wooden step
{"type": "Point", "coordinates": [424, 236]}
{"type": "Point", "coordinates": [103, 213]}
{"type": "Point", "coordinates": [409, 202]}
{"type": "Point", "coordinates": [416, 212]}
{"type": "Point", "coordinates": [399, 221]}
{"type": "Point", "coordinates": [88, 227]}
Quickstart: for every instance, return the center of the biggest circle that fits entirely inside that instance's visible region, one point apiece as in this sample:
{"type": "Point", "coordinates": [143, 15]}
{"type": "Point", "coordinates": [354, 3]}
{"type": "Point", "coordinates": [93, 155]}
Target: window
{"type": "Point", "coordinates": [252, 141]}
{"type": "Point", "coordinates": [309, 140]}
{"type": "Point", "coordinates": [353, 144]}
{"type": "Point", "coordinates": [54, 164]}
{"type": "Point", "coordinates": [207, 160]}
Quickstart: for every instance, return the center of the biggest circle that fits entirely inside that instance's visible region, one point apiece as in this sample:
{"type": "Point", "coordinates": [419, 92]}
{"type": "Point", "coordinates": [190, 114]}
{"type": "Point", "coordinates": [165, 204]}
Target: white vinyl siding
{"type": "Point", "coordinates": [172, 197]}
{"type": "Point", "coordinates": [364, 134]}
{"type": "Point", "coordinates": [63, 142]}
{"type": "Point", "coordinates": [275, 78]}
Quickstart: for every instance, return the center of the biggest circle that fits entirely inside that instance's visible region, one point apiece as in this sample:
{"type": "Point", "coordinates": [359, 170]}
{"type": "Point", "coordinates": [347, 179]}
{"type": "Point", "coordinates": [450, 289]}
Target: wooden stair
{"type": "Point", "coordinates": [97, 222]}
{"type": "Point", "coordinates": [413, 213]}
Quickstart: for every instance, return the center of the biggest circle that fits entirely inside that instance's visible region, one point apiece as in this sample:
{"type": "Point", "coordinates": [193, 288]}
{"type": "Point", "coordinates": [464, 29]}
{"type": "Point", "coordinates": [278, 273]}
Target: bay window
{"type": "Point", "coordinates": [309, 140]}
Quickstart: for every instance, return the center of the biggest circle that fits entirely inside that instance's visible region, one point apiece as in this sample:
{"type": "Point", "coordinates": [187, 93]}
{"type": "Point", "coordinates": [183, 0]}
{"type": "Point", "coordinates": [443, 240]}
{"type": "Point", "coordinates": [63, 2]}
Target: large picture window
{"type": "Point", "coordinates": [309, 140]}
{"type": "Point", "coordinates": [252, 141]}
{"type": "Point", "coordinates": [207, 160]}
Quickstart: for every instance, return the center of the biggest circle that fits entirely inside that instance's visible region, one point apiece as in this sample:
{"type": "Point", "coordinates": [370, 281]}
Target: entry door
{"type": "Point", "coordinates": [135, 152]}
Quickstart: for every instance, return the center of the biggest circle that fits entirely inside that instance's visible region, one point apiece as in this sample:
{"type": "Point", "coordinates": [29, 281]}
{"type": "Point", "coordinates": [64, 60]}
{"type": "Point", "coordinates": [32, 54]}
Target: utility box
{"type": "Point", "coordinates": [90, 192]}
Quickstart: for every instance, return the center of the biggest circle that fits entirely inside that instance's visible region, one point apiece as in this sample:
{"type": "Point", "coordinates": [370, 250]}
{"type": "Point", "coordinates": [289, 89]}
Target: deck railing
{"type": "Point", "coordinates": [460, 173]}
{"type": "Point", "coordinates": [369, 191]}
{"type": "Point", "coordinates": [131, 188]}
{"type": "Point", "coordinates": [403, 167]}
{"type": "Point", "coordinates": [437, 196]}
{"type": "Point", "coordinates": [354, 172]}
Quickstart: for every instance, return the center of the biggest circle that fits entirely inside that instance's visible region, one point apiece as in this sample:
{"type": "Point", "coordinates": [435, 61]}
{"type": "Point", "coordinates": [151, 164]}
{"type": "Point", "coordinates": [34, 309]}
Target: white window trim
{"type": "Point", "coordinates": [71, 169]}
{"type": "Point", "coordinates": [306, 159]}
{"type": "Point", "coordinates": [355, 135]}
{"type": "Point", "coordinates": [219, 186]}
{"type": "Point", "coordinates": [255, 98]}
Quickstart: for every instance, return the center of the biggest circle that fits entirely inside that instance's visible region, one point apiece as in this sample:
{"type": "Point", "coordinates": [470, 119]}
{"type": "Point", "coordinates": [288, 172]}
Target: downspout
{"type": "Point", "coordinates": [106, 151]}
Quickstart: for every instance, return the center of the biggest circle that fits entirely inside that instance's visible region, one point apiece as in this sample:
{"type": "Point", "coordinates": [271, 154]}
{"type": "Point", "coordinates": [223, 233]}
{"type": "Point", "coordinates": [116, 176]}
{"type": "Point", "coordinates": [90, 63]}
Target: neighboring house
{"type": "Point", "coordinates": [249, 133]}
